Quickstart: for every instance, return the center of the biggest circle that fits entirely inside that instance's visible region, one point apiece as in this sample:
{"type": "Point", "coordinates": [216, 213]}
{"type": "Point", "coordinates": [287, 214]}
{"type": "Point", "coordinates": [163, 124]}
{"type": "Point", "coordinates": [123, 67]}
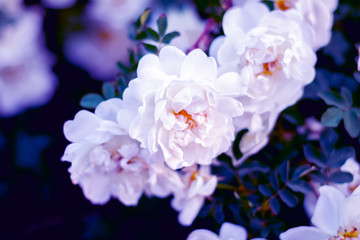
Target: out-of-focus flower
{"type": "Point", "coordinates": [317, 14]}
{"type": "Point", "coordinates": [312, 128]}
{"type": "Point", "coordinates": [181, 108]}
{"type": "Point", "coordinates": [351, 166]}
{"type": "Point", "coordinates": [116, 13]}
{"type": "Point", "coordinates": [26, 79]}
{"type": "Point", "coordinates": [228, 231]}
{"type": "Point", "coordinates": [98, 49]}
{"type": "Point", "coordinates": [198, 183]}
{"type": "Point", "coordinates": [187, 22]}
{"type": "Point", "coordinates": [107, 162]}
{"type": "Point", "coordinates": [335, 217]}
{"type": "Point", "coordinates": [58, 4]}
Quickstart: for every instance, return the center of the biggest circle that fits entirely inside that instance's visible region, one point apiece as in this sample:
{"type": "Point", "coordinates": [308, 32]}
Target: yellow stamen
{"type": "Point", "coordinates": [189, 120]}
{"type": "Point", "coordinates": [282, 5]}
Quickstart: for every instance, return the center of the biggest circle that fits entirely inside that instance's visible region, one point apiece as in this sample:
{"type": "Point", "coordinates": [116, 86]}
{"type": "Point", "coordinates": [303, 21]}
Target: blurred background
{"type": "Point", "coordinates": [79, 50]}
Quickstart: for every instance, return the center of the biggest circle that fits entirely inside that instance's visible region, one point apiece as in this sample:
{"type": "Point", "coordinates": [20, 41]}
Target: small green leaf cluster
{"type": "Point", "coordinates": [329, 159]}
{"type": "Point", "coordinates": [342, 109]}
{"type": "Point", "coordinates": [159, 36]}
{"type": "Point", "coordinates": [109, 90]}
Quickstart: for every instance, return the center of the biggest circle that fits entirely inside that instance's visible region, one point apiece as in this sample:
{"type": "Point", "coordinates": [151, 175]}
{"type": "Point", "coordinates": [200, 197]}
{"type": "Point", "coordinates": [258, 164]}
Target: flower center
{"type": "Point", "coordinates": [188, 118]}
{"type": "Point", "coordinates": [346, 233]}
{"type": "Point", "coordinates": [269, 68]}
{"type": "Point", "coordinates": [282, 4]}
{"type": "Point", "coordinates": [193, 176]}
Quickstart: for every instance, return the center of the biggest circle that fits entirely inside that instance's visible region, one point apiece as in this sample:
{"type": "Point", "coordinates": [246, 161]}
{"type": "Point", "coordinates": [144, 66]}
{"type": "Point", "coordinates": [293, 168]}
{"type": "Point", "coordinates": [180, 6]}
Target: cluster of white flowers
{"type": "Point", "coordinates": [24, 62]}
{"type": "Point", "coordinates": [182, 111]}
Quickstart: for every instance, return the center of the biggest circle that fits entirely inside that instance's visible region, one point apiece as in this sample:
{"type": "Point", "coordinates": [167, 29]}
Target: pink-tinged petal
{"type": "Point", "coordinates": [128, 187]}
{"type": "Point", "coordinates": [198, 66]}
{"type": "Point", "coordinates": [84, 127]}
{"type": "Point", "coordinates": [171, 59]}
{"type": "Point", "coordinates": [301, 233]}
{"type": "Point", "coordinates": [327, 210]}
{"type": "Point", "coordinates": [350, 211]}
{"type": "Point", "coordinates": [209, 187]}
{"type": "Point", "coordinates": [230, 83]}
{"type": "Point", "coordinates": [109, 109]}
{"type": "Point", "coordinates": [244, 18]}
{"type": "Point", "coordinates": [215, 45]}
{"type": "Point", "coordinates": [230, 49]}
{"type": "Point", "coordinates": [149, 61]}
{"type": "Point", "coordinates": [190, 211]}
{"type": "Point", "coordinates": [202, 234]}
{"type": "Point", "coordinates": [96, 188]}
{"type": "Point", "coordinates": [230, 231]}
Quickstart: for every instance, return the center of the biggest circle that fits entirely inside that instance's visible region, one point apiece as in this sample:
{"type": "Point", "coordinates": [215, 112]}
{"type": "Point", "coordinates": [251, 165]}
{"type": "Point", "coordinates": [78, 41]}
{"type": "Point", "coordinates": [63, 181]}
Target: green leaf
{"type": "Point", "coordinates": [351, 122]}
{"type": "Point", "coordinates": [347, 96]}
{"type": "Point", "coordinates": [150, 48]}
{"type": "Point", "coordinates": [284, 171]}
{"type": "Point", "coordinates": [338, 157]}
{"type": "Point", "coordinates": [288, 198]}
{"type": "Point", "coordinates": [341, 177]}
{"type": "Point", "coordinates": [328, 139]}
{"type": "Point", "coordinates": [151, 34]}
{"type": "Point", "coordinates": [314, 156]}
{"type": "Point", "coordinates": [265, 190]}
{"type": "Point", "coordinates": [141, 36]}
{"type": "Point", "coordinates": [108, 90]}
{"type": "Point", "coordinates": [275, 206]}
{"type": "Point", "coordinates": [169, 37]}
{"type": "Point", "coordinates": [332, 117]}
{"type": "Point", "coordinates": [219, 213]}
{"type": "Point", "coordinates": [318, 177]}
{"type": "Point", "coordinates": [301, 171]}
{"type": "Point", "coordinates": [357, 111]}
{"type": "Point", "coordinates": [162, 24]}
{"type": "Point", "coordinates": [274, 181]}
{"type": "Point", "coordinates": [122, 67]}
{"type": "Point", "coordinates": [299, 185]}
{"type": "Point", "coordinates": [145, 16]}
{"type": "Point", "coordinates": [332, 98]}
{"type": "Point", "coordinates": [91, 100]}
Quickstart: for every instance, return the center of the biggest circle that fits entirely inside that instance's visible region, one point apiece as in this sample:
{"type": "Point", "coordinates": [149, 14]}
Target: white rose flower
{"type": "Point", "coordinates": [335, 217]}
{"type": "Point", "coordinates": [107, 162]}
{"type": "Point", "coordinates": [317, 14]}
{"type": "Point", "coordinates": [198, 183]}
{"type": "Point", "coordinates": [351, 166]}
{"type": "Point", "coordinates": [228, 231]}
{"type": "Point", "coordinates": [181, 108]}
{"type": "Point", "coordinates": [270, 52]}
